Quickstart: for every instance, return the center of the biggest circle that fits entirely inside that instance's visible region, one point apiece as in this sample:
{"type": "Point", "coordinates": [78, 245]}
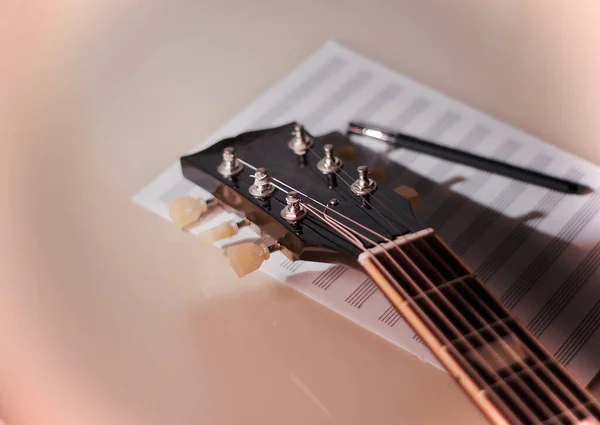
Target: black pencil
{"type": "Point", "coordinates": [466, 158]}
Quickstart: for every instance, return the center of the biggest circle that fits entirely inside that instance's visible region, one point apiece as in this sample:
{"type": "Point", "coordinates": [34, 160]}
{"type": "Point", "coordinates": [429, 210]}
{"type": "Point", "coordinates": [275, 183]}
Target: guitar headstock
{"type": "Point", "coordinates": [283, 180]}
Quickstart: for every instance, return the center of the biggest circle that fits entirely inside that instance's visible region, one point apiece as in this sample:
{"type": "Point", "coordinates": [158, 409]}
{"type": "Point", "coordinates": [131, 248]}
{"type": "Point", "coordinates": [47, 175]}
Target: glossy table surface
{"type": "Point", "coordinates": [109, 314]}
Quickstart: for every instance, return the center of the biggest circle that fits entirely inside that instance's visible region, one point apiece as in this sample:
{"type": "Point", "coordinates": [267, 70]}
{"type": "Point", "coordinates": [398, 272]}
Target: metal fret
{"type": "Point", "coordinates": [516, 374]}
{"type": "Point", "coordinates": [482, 329]}
{"type": "Point", "coordinates": [581, 416]}
{"type": "Point", "coordinates": [443, 285]}
{"type": "Point", "coordinates": [507, 364]}
{"type": "Point", "coordinates": [452, 324]}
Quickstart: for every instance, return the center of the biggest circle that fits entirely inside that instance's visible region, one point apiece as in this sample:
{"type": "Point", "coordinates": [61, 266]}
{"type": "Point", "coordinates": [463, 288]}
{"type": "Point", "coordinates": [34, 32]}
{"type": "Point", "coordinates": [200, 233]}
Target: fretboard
{"type": "Point", "coordinates": [502, 367]}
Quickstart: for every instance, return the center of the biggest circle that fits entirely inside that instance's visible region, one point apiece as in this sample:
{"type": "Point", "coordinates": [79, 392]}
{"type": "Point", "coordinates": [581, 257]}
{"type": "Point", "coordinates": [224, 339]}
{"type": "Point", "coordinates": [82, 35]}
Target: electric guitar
{"type": "Point", "coordinates": [316, 206]}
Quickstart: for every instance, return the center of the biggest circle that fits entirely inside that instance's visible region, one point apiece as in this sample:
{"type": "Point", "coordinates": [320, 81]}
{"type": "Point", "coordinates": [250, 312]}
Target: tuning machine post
{"type": "Point", "coordinates": [300, 143]}
{"type": "Point", "coordinates": [262, 187]}
{"type": "Point", "coordinates": [294, 211]}
{"type": "Point", "coordinates": [230, 167]}
{"type": "Point", "coordinates": [364, 185]}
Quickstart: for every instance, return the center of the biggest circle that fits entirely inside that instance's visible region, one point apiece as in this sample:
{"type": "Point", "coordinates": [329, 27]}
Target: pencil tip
{"type": "Point", "coordinates": [581, 189]}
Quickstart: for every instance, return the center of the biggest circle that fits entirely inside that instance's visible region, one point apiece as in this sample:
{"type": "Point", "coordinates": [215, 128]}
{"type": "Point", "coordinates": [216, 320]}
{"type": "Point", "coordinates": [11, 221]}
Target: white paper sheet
{"type": "Point", "coordinates": [538, 250]}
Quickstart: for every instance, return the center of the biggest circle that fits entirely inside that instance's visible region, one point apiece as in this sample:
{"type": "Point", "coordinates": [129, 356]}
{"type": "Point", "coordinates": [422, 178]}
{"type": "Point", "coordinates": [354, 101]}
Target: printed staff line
{"type": "Point", "coordinates": [442, 124]}
{"type": "Point", "coordinates": [327, 278]}
{"type": "Point", "coordinates": [368, 294]}
{"type": "Point", "coordinates": [516, 238]}
{"type": "Point", "coordinates": [344, 92]}
{"type": "Point", "coordinates": [571, 347]}
{"type": "Point", "coordinates": [391, 316]}
{"type": "Point", "coordinates": [314, 81]}
{"type": "Point", "coordinates": [488, 216]}
{"type": "Point", "coordinates": [451, 205]}
{"type": "Point", "coordinates": [183, 187]}
{"type": "Point", "coordinates": [388, 312]}
{"type": "Point", "coordinates": [522, 231]}
{"type": "Point", "coordinates": [551, 252]}
{"type": "Point", "coordinates": [397, 318]}
{"type": "Point", "coordinates": [371, 290]}
{"type": "Point", "coordinates": [290, 265]}
{"type": "Point", "coordinates": [362, 293]}
{"type": "Point", "coordinates": [357, 292]}
{"type": "Point", "coordinates": [573, 341]}
{"type": "Point", "coordinates": [563, 239]}
{"type": "Point", "coordinates": [388, 93]}
{"type": "Point", "coordinates": [470, 141]}
{"type": "Point", "coordinates": [407, 157]}
{"type": "Point", "coordinates": [324, 275]}
{"type": "Point", "coordinates": [448, 119]}
{"type": "Point", "coordinates": [301, 91]}
{"type": "Point", "coordinates": [567, 291]}
{"type": "Point", "coordinates": [414, 109]}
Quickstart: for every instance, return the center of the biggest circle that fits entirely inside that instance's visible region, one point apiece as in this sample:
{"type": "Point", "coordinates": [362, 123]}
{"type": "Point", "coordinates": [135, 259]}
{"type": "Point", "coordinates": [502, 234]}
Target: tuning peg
{"type": "Point", "coordinates": [300, 142]}
{"type": "Point", "coordinates": [330, 164]}
{"type": "Point", "coordinates": [187, 210]}
{"type": "Point", "coordinates": [222, 231]}
{"type": "Point", "coordinates": [411, 195]}
{"type": "Point", "coordinates": [364, 185]}
{"type": "Point", "coordinates": [247, 257]}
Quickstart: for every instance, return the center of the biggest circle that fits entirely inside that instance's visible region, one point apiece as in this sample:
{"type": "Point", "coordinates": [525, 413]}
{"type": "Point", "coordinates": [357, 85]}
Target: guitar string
{"type": "Point", "coordinates": [566, 410]}
{"type": "Point", "coordinates": [303, 194]}
{"type": "Point", "coordinates": [372, 196]}
{"type": "Point", "coordinates": [541, 363]}
{"type": "Point", "coordinates": [337, 173]}
{"type": "Point", "coordinates": [401, 253]}
{"type": "Point", "coordinates": [391, 258]}
{"type": "Point", "coordinates": [510, 349]}
{"type": "Point", "coordinates": [447, 343]}
{"type": "Point", "coordinates": [282, 183]}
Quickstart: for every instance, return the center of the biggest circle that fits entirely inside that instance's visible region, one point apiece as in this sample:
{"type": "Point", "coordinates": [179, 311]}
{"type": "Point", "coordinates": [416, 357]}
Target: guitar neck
{"type": "Point", "coordinates": [502, 368]}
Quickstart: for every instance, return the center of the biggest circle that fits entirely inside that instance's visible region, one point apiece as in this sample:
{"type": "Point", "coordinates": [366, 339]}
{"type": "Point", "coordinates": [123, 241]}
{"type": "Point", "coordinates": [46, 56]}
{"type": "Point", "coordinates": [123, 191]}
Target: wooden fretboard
{"type": "Point", "coordinates": [502, 367]}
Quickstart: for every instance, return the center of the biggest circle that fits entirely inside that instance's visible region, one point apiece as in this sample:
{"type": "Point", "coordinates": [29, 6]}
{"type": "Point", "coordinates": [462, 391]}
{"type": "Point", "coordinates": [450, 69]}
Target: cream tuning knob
{"type": "Point", "coordinates": [222, 231]}
{"type": "Point", "coordinates": [247, 257]}
{"type": "Point", "coordinates": [187, 210]}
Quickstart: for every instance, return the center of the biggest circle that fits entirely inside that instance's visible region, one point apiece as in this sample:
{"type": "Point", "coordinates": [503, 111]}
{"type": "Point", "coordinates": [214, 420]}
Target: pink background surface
{"type": "Point", "coordinates": [111, 315]}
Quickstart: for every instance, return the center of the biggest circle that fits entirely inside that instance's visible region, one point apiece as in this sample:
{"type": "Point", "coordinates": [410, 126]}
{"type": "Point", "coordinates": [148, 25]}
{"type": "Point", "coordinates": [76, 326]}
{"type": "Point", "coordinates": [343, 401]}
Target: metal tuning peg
{"type": "Point", "coordinates": [294, 211]}
{"type": "Point", "coordinates": [186, 211]}
{"type": "Point", "coordinates": [411, 195]}
{"type": "Point", "coordinates": [230, 166]}
{"type": "Point", "coordinates": [262, 187]}
{"type": "Point", "coordinates": [300, 143]}
{"type": "Point", "coordinates": [222, 231]}
{"type": "Point", "coordinates": [247, 257]}
{"type": "Point", "coordinates": [330, 164]}
{"type": "Point", "coordinates": [364, 185]}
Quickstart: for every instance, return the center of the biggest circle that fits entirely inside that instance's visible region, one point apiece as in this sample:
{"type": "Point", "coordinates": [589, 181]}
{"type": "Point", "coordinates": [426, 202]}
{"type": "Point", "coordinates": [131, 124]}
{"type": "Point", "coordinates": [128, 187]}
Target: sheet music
{"type": "Point", "coordinates": [539, 251]}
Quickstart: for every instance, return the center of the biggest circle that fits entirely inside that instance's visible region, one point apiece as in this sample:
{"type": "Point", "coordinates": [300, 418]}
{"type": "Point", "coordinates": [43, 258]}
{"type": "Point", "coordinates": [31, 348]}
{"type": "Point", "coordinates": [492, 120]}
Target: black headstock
{"type": "Point", "coordinates": [383, 210]}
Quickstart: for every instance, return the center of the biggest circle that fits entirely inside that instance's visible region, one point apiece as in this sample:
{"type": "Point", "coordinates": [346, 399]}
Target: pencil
{"type": "Point", "coordinates": [466, 158]}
